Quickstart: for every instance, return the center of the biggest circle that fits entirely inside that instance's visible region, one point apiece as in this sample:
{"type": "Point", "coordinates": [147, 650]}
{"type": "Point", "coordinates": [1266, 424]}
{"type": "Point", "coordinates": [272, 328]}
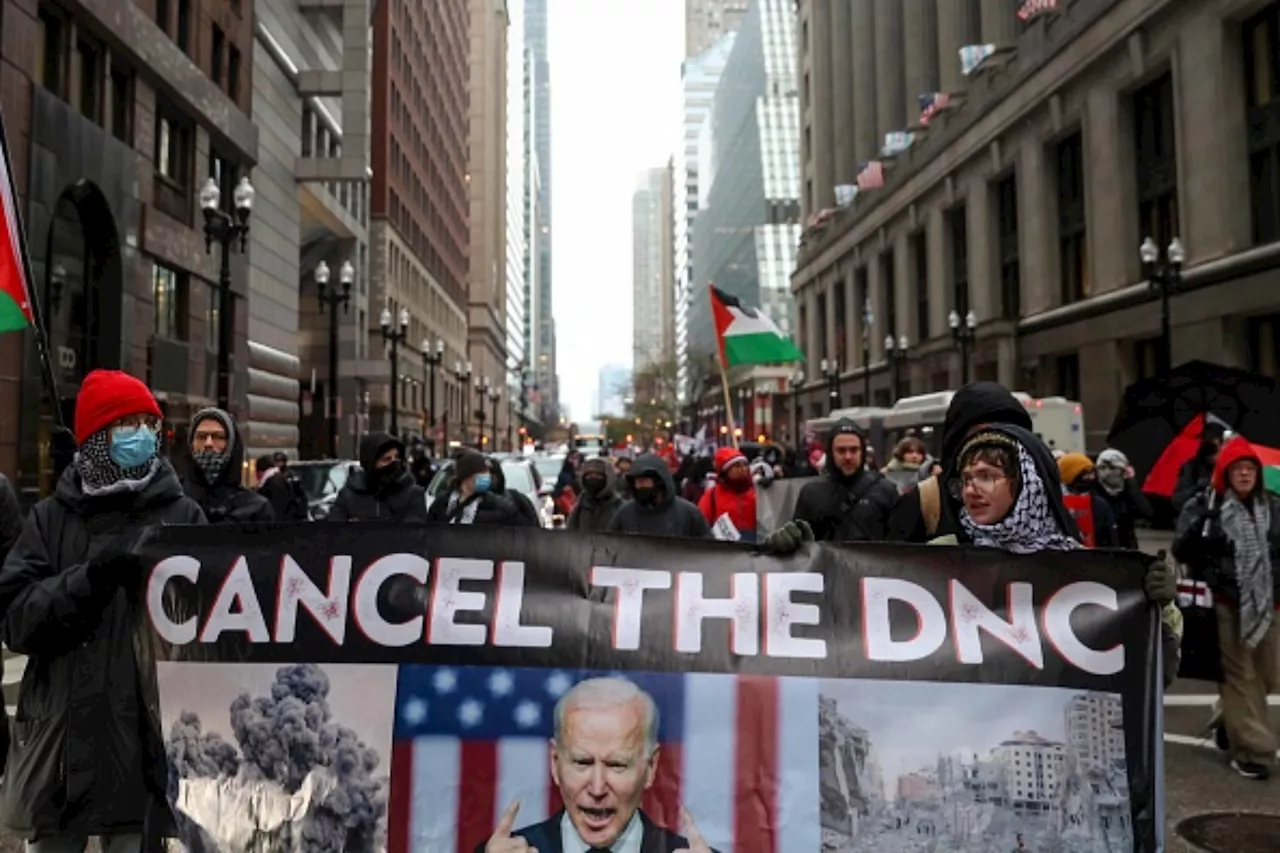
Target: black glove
{"type": "Point", "coordinates": [113, 567]}
{"type": "Point", "coordinates": [1160, 582]}
{"type": "Point", "coordinates": [788, 538]}
{"type": "Point", "coordinates": [62, 449]}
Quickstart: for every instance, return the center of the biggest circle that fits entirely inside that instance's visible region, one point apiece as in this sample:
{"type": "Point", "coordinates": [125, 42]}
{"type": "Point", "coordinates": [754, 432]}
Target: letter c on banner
{"type": "Point", "coordinates": [365, 600]}
{"type": "Point", "coordinates": [877, 628]}
{"type": "Point", "coordinates": [181, 566]}
{"type": "Point", "coordinates": [1058, 630]}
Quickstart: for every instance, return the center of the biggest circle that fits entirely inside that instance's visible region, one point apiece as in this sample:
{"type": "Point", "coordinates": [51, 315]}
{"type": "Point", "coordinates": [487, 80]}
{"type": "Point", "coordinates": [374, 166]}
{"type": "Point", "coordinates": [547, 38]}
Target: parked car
{"type": "Point", "coordinates": [322, 479]}
{"type": "Point", "coordinates": [520, 474]}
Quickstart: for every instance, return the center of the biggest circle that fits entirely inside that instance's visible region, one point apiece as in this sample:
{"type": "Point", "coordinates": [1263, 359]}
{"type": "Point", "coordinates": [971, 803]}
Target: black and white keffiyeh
{"type": "Point", "coordinates": [99, 475]}
{"type": "Point", "coordinates": [467, 513]}
{"type": "Point", "coordinates": [1030, 526]}
{"type": "Point", "coordinates": [1247, 527]}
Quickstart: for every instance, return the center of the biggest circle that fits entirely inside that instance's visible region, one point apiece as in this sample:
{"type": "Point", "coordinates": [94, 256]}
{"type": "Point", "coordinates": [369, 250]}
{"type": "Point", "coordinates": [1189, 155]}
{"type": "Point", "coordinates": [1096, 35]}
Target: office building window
{"type": "Point", "coordinates": [958, 232]}
{"type": "Point", "coordinates": [1010, 267]}
{"type": "Point", "coordinates": [121, 103]}
{"type": "Point", "coordinates": [50, 48]}
{"type": "Point", "coordinates": [1157, 167]}
{"type": "Point", "coordinates": [173, 147]}
{"type": "Point", "coordinates": [920, 272]}
{"type": "Point", "coordinates": [1073, 252]}
{"type": "Point", "coordinates": [168, 294]}
{"type": "Point", "coordinates": [233, 73]}
{"type": "Point", "coordinates": [162, 15]}
{"type": "Point", "coordinates": [89, 55]}
{"type": "Point", "coordinates": [1068, 376]}
{"type": "Point", "coordinates": [216, 49]}
{"type": "Point", "coordinates": [1262, 79]}
{"type": "Point", "coordinates": [824, 348]}
{"type": "Point", "coordinates": [889, 293]}
{"type": "Point", "coordinates": [841, 329]}
{"type": "Point", "coordinates": [862, 293]}
{"type": "Point", "coordinates": [184, 26]}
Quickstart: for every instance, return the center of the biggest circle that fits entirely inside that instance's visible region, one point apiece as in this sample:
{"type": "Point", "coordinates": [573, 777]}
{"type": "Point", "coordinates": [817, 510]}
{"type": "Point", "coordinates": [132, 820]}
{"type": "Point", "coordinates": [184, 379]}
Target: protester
{"type": "Point", "coordinates": [655, 508]}
{"type": "Point", "coordinates": [1117, 485]}
{"type": "Point", "coordinates": [381, 489]}
{"type": "Point", "coordinates": [498, 485]}
{"type": "Point", "coordinates": [216, 458]}
{"type": "Point", "coordinates": [850, 502]}
{"type": "Point", "coordinates": [733, 495]}
{"type": "Point", "coordinates": [471, 499]}
{"type": "Point", "coordinates": [600, 498]}
{"type": "Point", "coordinates": [282, 489]}
{"type": "Point", "coordinates": [908, 455]}
{"type": "Point", "coordinates": [621, 466]}
{"type": "Point", "coordinates": [84, 761]}
{"type": "Point", "coordinates": [420, 464]}
{"type": "Point", "coordinates": [1093, 515]}
{"type": "Point", "coordinates": [1231, 537]}
{"type": "Point", "coordinates": [930, 510]}
{"type": "Point", "coordinates": [564, 494]}
{"type": "Point", "coordinates": [1196, 474]}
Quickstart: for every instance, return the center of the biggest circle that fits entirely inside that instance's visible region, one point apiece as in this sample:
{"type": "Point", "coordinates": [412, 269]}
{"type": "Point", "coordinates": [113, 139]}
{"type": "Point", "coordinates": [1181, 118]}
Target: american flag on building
{"type": "Point", "coordinates": [1029, 9]}
{"type": "Point", "coordinates": [870, 175]}
{"type": "Point", "coordinates": [932, 104]}
{"type": "Point", "coordinates": [739, 752]}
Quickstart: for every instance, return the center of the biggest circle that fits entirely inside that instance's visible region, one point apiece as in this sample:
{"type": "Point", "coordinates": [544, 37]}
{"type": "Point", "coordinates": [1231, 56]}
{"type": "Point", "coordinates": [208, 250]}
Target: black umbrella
{"type": "Point", "coordinates": [1154, 411]}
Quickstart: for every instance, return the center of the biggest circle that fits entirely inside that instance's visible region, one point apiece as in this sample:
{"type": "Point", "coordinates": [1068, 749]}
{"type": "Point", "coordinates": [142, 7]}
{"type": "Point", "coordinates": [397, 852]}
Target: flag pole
{"type": "Point", "coordinates": [37, 315]}
{"type": "Point", "coordinates": [728, 402]}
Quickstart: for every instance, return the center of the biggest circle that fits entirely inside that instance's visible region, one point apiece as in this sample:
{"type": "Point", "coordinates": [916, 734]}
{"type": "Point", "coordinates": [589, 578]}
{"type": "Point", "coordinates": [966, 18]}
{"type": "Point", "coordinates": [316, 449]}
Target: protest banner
{"type": "Point", "coordinates": [776, 505]}
{"type": "Point", "coordinates": [386, 687]}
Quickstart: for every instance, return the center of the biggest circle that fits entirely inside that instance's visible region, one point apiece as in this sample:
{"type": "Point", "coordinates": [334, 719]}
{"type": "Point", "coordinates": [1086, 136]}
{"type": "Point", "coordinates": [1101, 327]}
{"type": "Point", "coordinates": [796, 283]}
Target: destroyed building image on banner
{"type": "Point", "coordinates": [971, 768]}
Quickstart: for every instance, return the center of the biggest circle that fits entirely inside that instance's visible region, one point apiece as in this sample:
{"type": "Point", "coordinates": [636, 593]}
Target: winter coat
{"type": "Point", "coordinates": [973, 405]}
{"type": "Point", "coordinates": [284, 493]}
{"type": "Point", "coordinates": [846, 509]}
{"type": "Point", "coordinates": [670, 515]}
{"type": "Point", "coordinates": [593, 513]}
{"type": "Point", "coordinates": [722, 499]}
{"type": "Point", "coordinates": [399, 499]}
{"type": "Point", "coordinates": [225, 500]}
{"type": "Point", "coordinates": [87, 754]}
{"type": "Point", "coordinates": [498, 510]}
{"type": "Point", "coordinates": [1194, 477]}
{"type": "Point", "coordinates": [1105, 534]}
{"type": "Point", "coordinates": [1127, 505]}
{"type": "Point", "coordinates": [528, 514]}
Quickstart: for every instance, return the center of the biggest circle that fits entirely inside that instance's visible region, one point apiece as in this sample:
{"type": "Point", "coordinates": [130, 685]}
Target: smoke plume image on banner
{"type": "Point", "coordinates": [291, 758]}
{"type": "Point", "coordinates": [971, 768]}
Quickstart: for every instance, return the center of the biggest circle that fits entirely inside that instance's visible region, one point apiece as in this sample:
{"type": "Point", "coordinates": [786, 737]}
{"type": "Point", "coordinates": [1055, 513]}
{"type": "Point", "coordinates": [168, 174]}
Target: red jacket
{"type": "Point", "coordinates": [720, 499]}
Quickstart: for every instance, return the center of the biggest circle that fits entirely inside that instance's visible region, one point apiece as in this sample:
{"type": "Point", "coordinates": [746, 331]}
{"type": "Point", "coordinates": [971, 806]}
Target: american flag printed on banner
{"type": "Point", "coordinates": [932, 104]}
{"type": "Point", "coordinates": [870, 175]}
{"type": "Point", "coordinates": [739, 752]}
{"type": "Point", "coordinates": [1028, 9]}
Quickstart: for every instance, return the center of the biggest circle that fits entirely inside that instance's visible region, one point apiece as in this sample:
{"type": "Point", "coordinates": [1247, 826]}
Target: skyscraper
{"type": "Point", "coordinates": [652, 267]}
{"type": "Point", "coordinates": [546, 380]}
{"type": "Point", "coordinates": [706, 21]}
{"type": "Point", "coordinates": [518, 222]}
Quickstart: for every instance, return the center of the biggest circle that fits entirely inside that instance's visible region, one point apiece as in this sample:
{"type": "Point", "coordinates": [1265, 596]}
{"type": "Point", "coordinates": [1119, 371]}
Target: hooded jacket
{"type": "Point", "coordinates": [87, 754]}
{"type": "Point", "coordinates": [372, 495]}
{"type": "Point", "coordinates": [722, 499]}
{"type": "Point", "coordinates": [669, 515]}
{"type": "Point", "coordinates": [1196, 473]}
{"type": "Point", "coordinates": [221, 496]}
{"type": "Point", "coordinates": [974, 405]}
{"type": "Point", "coordinates": [593, 512]}
{"type": "Point", "coordinates": [527, 513]}
{"type": "Point", "coordinates": [846, 509]}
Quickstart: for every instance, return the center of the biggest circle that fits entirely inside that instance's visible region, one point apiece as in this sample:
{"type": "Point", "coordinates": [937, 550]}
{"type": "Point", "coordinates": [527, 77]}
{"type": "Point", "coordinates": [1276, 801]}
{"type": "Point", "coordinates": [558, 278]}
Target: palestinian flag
{"type": "Point", "coordinates": [747, 336]}
{"type": "Point", "coordinates": [15, 288]}
{"type": "Point", "coordinates": [1163, 476]}
{"type": "Point", "coordinates": [1270, 459]}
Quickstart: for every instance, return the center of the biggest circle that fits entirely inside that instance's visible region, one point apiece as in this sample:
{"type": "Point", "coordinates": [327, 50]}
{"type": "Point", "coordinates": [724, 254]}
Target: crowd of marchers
{"type": "Point", "coordinates": [84, 753]}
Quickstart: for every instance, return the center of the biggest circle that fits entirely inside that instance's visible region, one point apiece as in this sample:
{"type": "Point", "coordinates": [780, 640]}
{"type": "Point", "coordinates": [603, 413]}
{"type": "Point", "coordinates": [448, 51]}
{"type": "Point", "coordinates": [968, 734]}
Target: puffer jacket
{"type": "Point", "coordinates": [670, 515]}
{"type": "Point", "coordinates": [593, 512]}
{"type": "Point", "coordinates": [87, 754]}
{"type": "Point", "coordinates": [221, 497]}
{"type": "Point", "coordinates": [398, 498]}
{"type": "Point", "coordinates": [846, 509]}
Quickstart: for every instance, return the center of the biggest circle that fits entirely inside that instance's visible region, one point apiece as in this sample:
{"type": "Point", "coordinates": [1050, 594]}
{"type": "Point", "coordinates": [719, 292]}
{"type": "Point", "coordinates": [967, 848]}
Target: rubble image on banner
{"type": "Point", "coordinates": [971, 768]}
{"type": "Point", "coordinates": [286, 759]}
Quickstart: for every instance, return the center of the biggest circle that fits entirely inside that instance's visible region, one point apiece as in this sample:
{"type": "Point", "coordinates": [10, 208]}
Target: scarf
{"type": "Point", "coordinates": [1110, 468]}
{"type": "Point", "coordinates": [1030, 526]}
{"type": "Point", "coordinates": [99, 475]}
{"type": "Point", "coordinates": [466, 514]}
{"type": "Point", "coordinates": [1248, 531]}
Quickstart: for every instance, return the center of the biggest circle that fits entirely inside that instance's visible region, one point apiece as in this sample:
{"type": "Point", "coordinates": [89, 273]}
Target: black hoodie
{"type": "Point", "coordinates": [974, 405]}
{"type": "Point", "coordinates": [221, 495]}
{"type": "Point", "coordinates": [669, 515]}
{"type": "Point", "coordinates": [385, 494]}
{"type": "Point", "coordinates": [843, 508]}
{"type": "Point", "coordinates": [593, 512]}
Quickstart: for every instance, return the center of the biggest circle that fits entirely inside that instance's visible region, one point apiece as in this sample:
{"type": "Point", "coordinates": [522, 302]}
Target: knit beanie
{"type": "Point", "coordinates": [212, 463]}
{"type": "Point", "coordinates": [468, 465]}
{"type": "Point", "coordinates": [1072, 465]}
{"type": "Point", "coordinates": [106, 396]}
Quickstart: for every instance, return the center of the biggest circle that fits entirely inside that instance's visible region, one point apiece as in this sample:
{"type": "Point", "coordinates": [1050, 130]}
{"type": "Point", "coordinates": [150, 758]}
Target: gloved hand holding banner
{"type": "Point", "coordinates": [453, 690]}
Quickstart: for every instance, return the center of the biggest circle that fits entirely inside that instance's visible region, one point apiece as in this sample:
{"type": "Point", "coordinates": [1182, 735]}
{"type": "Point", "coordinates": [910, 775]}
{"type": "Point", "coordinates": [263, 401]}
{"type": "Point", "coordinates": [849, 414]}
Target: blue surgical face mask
{"type": "Point", "coordinates": [132, 447]}
{"type": "Point", "coordinates": [483, 482]}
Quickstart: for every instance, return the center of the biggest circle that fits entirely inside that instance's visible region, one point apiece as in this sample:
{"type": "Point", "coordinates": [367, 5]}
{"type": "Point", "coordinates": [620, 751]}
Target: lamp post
{"type": "Point", "coordinates": [896, 351]}
{"type": "Point", "coordinates": [494, 396]}
{"type": "Point", "coordinates": [963, 330]}
{"type": "Point", "coordinates": [334, 298]}
{"type": "Point", "coordinates": [868, 321]}
{"type": "Point", "coordinates": [395, 337]}
{"type": "Point", "coordinates": [225, 229]}
{"type": "Point", "coordinates": [831, 372]}
{"type": "Point", "coordinates": [482, 388]}
{"type": "Point", "coordinates": [462, 372]}
{"type": "Point", "coordinates": [797, 382]}
{"type": "Point", "coordinates": [1166, 278]}
{"type": "Point", "coordinates": [432, 358]}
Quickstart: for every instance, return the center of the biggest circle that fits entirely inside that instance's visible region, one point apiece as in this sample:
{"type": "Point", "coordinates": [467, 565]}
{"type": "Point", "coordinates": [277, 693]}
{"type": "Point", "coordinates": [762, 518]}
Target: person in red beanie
{"type": "Point", "coordinates": [84, 761]}
{"type": "Point", "coordinates": [732, 495]}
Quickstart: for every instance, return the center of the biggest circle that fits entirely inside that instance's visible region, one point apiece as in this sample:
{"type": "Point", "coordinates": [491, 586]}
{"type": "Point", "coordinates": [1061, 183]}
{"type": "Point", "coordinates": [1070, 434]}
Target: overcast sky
{"type": "Point", "coordinates": [615, 111]}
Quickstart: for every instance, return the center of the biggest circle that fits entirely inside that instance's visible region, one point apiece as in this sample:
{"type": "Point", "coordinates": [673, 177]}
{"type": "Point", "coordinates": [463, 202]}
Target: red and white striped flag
{"type": "Point", "coordinates": [870, 176]}
{"type": "Point", "coordinates": [932, 104]}
{"type": "Point", "coordinates": [739, 752]}
{"type": "Point", "coordinates": [1031, 8]}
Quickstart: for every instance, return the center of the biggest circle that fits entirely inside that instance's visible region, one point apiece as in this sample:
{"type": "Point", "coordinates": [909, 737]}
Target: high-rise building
{"type": "Point", "coordinates": [706, 21]}
{"type": "Point", "coordinates": [487, 184]}
{"type": "Point", "coordinates": [534, 237]}
{"type": "Point", "coordinates": [546, 394]}
{"type": "Point", "coordinates": [419, 208]}
{"type": "Point", "coordinates": [1026, 201]}
{"type": "Point", "coordinates": [700, 75]}
{"type": "Point", "coordinates": [517, 236]}
{"type": "Point", "coordinates": [311, 102]}
{"type": "Point", "coordinates": [652, 269]}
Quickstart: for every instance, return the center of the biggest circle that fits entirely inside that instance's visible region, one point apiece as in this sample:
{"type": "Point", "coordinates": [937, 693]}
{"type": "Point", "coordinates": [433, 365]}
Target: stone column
{"type": "Point", "coordinates": [939, 267]}
{"type": "Point", "coordinates": [829, 291]}
{"type": "Point", "coordinates": [821, 104]}
{"type": "Point", "coordinates": [1037, 229]}
{"type": "Point", "coordinates": [866, 145]}
{"type": "Point", "coordinates": [841, 32]}
{"type": "Point", "coordinates": [950, 40]}
{"type": "Point", "coordinates": [1110, 213]}
{"type": "Point", "coordinates": [999, 23]}
{"type": "Point", "coordinates": [890, 85]}
{"type": "Point", "coordinates": [919, 53]}
{"type": "Point", "coordinates": [905, 296]}
{"type": "Point", "coordinates": [813, 352]}
{"type": "Point", "coordinates": [984, 278]}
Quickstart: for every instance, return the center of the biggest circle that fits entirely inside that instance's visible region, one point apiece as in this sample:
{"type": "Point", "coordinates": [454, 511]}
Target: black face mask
{"type": "Point", "coordinates": [387, 474]}
{"type": "Point", "coordinates": [593, 483]}
{"type": "Point", "coordinates": [646, 495]}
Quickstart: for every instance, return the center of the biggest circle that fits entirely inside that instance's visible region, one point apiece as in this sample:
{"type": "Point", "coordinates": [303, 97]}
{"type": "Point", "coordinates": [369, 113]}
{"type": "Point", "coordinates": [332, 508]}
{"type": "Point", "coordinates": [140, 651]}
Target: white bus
{"type": "Point", "coordinates": [1059, 422]}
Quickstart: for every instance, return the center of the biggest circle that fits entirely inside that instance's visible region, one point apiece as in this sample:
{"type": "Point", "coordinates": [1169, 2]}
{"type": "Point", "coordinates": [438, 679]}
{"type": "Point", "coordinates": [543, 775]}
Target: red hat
{"type": "Point", "coordinates": [106, 396]}
{"type": "Point", "coordinates": [1235, 450]}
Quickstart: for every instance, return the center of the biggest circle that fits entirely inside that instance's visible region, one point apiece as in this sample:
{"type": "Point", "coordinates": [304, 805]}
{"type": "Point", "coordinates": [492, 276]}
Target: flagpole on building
{"type": "Point", "coordinates": [37, 313]}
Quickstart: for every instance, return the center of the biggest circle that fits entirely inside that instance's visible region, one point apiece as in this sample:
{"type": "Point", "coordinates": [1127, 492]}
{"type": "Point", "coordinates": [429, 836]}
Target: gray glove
{"type": "Point", "coordinates": [788, 538]}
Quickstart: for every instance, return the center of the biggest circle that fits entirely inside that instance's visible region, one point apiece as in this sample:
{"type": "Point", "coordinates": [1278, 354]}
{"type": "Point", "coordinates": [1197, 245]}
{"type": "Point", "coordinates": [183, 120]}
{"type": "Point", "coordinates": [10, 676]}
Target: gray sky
{"type": "Point", "coordinates": [910, 723]}
{"type": "Point", "coordinates": [361, 696]}
{"type": "Point", "coordinates": [615, 111]}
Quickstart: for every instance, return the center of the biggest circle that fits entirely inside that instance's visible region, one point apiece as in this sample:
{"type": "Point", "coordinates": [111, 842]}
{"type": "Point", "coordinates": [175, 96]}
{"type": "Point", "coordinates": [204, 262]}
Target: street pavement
{"type": "Point", "coordinates": [1197, 778]}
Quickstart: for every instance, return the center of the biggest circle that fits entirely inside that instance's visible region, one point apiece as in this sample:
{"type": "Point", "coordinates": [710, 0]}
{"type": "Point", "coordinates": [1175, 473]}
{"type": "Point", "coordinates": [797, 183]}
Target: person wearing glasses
{"type": "Point", "coordinates": [216, 465]}
{"type": "Point", "coordinates": [83, 757]}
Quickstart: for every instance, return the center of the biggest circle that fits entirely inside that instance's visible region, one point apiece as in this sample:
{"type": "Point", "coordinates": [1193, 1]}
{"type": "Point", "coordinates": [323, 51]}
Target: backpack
{"type": "Point", "coordinates": [930, 504]}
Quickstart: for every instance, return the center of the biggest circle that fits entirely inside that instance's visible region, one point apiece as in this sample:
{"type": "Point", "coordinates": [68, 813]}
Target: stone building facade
{"type": "Point", "coordinates": [1088, 130]}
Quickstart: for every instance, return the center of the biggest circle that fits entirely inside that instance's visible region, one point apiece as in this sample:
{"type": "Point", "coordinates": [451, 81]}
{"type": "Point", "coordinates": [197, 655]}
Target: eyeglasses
{"type": "Point", "coordinates": [202, 436]}
{"type": "Point", "coordinates": [983, 481]}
